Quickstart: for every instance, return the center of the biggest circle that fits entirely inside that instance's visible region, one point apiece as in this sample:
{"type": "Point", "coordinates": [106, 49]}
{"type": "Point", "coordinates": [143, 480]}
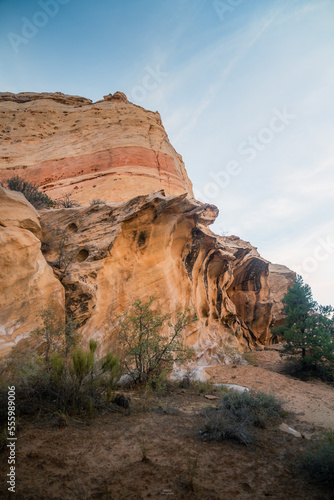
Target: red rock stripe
{"type": "Point", "coordinates": [133, 156]}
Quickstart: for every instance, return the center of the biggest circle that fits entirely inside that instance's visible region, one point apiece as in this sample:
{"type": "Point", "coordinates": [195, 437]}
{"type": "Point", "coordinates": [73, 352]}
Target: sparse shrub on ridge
{"type": "Point", "coordinates": [30, 191]}
{"type": "Point", "coordinates": [66, 202]}
{"type": "Point", "coordinates": [238, 414]}
{"type": "Point", "coordinates": [97, 202]}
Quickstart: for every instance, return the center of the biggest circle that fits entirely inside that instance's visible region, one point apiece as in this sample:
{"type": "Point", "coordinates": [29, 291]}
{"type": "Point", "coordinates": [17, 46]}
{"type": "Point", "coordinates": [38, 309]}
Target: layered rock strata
{"type": "Point", "coordinates": [111, 150]}
{"type": "Point", "coordinates": [149, 237]}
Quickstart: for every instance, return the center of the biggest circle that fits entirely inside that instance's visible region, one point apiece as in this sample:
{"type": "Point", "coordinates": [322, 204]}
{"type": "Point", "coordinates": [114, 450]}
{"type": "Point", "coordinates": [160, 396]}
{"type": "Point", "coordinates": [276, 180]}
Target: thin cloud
{"type": "Point", "coordinates": [213, 90]}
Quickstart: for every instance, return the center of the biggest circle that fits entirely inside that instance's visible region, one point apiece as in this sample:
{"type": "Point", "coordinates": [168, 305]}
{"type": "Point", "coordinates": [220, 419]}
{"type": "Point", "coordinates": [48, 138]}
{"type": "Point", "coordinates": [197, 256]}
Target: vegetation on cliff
{"type": "Point", "coordinates": [30, 191]}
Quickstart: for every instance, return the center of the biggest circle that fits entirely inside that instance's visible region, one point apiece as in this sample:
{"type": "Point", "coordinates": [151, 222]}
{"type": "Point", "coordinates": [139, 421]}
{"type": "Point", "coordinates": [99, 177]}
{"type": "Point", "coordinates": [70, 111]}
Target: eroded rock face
{"type": "Point", "coordinates": [257, 289]}
{"type": "Point", "coordinates": [158, 245]}
{"type": "Point", "coordinates": [150, 238]}
{"type": "Point", "coordinates": [281, 278]}
{"type": "Point", "coordinates": [111, 150]}
{"type": "Point", "coordinates": [16, 211]}
{"type": "Point", "coordinates": [27, 282]}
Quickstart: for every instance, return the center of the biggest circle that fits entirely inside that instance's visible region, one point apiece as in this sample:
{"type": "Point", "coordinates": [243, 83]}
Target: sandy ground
{"type": "Point", "coordinates": [104, 460]}
{"type": "Point", "coordinates": [311, 402]}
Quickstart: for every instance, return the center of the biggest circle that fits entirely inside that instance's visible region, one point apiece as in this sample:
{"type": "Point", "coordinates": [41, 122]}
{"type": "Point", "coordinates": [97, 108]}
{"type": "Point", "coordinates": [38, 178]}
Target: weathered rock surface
{"type": "Point", "coordinates": [16, 211]}
{"type": "Point", "coordinates": [27, 283]}
{"type": "Point", "coordinates": [257, 289]}
{"type": "Point", "coordinates": [280, 280]}
{"type": "Point", "coordinates": [111, 150]}
{"type": "Point", "coordinates": [150, 238]}
{"type": "Point", "coordinates": [158, 245]}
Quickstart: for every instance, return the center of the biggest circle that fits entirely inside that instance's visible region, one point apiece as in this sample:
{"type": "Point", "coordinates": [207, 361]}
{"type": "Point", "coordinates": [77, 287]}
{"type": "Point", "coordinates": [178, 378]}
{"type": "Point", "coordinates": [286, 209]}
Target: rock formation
{"type": "Point", "coordinates": [280, 280]}
{"type": "Point", "coordinates": [27, 282]}
{"type": "Point", "coordinates": [111, 150]}
{"type": "Point", "coordinates": [158, 245]}
{"type": "Point", "coordinates": [150, 238]}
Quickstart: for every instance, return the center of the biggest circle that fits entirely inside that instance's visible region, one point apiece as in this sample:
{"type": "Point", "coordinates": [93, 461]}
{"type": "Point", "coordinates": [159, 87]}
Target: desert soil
{"type": "Point", "coordinates": [104, 460]}
{"type": "Point", "coordinates": [312, 403]}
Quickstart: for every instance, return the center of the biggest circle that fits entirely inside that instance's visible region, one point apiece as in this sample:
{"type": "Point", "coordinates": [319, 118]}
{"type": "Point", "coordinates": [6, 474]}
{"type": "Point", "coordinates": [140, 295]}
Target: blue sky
{"type": "Point", "coordinates": [245, 90]}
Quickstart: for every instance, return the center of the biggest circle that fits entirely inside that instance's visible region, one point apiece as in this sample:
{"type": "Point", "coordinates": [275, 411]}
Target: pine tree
{"type": "Point", "coordinates": [308, 331]}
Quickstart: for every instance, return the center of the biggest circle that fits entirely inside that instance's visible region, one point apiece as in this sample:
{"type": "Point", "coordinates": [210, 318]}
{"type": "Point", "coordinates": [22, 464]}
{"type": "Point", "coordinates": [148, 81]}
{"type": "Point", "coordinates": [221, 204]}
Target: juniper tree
{"type": "Point", "coordinates": [308, 331]}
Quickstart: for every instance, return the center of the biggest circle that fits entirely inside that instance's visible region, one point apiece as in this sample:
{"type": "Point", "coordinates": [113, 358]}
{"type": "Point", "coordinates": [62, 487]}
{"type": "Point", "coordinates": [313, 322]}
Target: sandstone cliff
{"type": "Point", "coordinates": [158, 245]}
{"type": "Point", "coordinates": [27, 283]}
{"type": "Point", "coordinates": [150, 238]}
{"type": "Point", "coordinates": [111, 150]}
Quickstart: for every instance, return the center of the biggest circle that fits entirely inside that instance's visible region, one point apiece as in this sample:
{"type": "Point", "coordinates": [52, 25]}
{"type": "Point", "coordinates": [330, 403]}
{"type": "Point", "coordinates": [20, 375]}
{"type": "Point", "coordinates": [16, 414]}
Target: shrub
{"type": "Point", "coordinates": [55, 334]}
{"type": "Point", "coordinates": [66, 202]}
{"type": "Point", "coordinates": [75, 385]}
{"type": "Point", "coordinates": [308, 332]}
{"type": "Point", "coordinates": [147, 352]}
{"type": "Point", "coordinates": [97, 202]}
{"type": "Point", "coordinates": [238, 413]}
{"type": "Point", "coordinates": [63, 378]}
{"type": "Point", "coordinates": [30, 191]}
{"type": "Point", "coordinates": [318, 462]}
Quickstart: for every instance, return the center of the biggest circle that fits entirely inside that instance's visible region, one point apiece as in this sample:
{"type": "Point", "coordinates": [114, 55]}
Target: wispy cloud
{"type": "Point", "coordinates": [215, 88]}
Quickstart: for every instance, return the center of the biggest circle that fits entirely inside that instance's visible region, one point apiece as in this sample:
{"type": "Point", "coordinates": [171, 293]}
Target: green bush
{"type": "Point", "coordinates": [59, 377]}
{"type": "Point", "coordinates": [318, 462]}
{"type": "Point", "coordinates": [75, 385]}
{"type": "Point", "coordinates": [30, 191]}
{"type": "Point", "coordinates": [56, 334]}
{"type": "Point", "coordinates": [147, 351]}
{"type": "Point", "coordinates": [237, 415]}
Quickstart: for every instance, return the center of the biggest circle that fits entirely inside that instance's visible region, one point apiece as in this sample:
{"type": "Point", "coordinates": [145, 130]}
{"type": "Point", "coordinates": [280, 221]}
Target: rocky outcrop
{"type": "Point", "coordinates": [158, 245]}
{"type": "Point", "coordinates": [111, 150]}
{"type": "Point", "coordinates": [27, 283]}
{"type": "Point", "coordinates": [150, 237]}
{"type": "Point", "coordinates": [23, 97]}
{"type": "Point", "coordinates": [16, 211]}
{"type": "Point", "coordinates": [281, 278]}
{"type": "Point", "coordinates": [257, 289]}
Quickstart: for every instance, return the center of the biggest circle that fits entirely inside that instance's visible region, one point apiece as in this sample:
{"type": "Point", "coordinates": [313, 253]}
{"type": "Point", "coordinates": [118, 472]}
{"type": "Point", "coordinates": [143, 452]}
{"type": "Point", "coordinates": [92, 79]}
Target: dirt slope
{"type": "Point", "coordinates": [311, 402]}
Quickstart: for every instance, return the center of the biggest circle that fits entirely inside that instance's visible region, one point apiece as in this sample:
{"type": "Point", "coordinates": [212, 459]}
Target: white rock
{"type": "Point", "coordinates": [197, 374]}
{"type": "Point", "coordinates": [285, 428]}
{"type": "Point", "coordinates": [233, 387]}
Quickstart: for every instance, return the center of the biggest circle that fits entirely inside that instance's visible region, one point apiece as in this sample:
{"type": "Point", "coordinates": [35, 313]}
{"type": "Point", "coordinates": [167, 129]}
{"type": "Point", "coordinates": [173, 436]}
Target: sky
{"type": "Point", "coordinates": [244, 88]}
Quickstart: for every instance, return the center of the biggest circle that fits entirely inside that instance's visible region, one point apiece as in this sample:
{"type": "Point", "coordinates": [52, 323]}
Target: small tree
{"type": "Point", "coordinates": [56, 335]}
{"type": "Point", "coordinates": [308, 330]}
{"type": "Point", "coordinates": [30, 191]}
{"type": "Point", "coordinates": [146, 350]}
